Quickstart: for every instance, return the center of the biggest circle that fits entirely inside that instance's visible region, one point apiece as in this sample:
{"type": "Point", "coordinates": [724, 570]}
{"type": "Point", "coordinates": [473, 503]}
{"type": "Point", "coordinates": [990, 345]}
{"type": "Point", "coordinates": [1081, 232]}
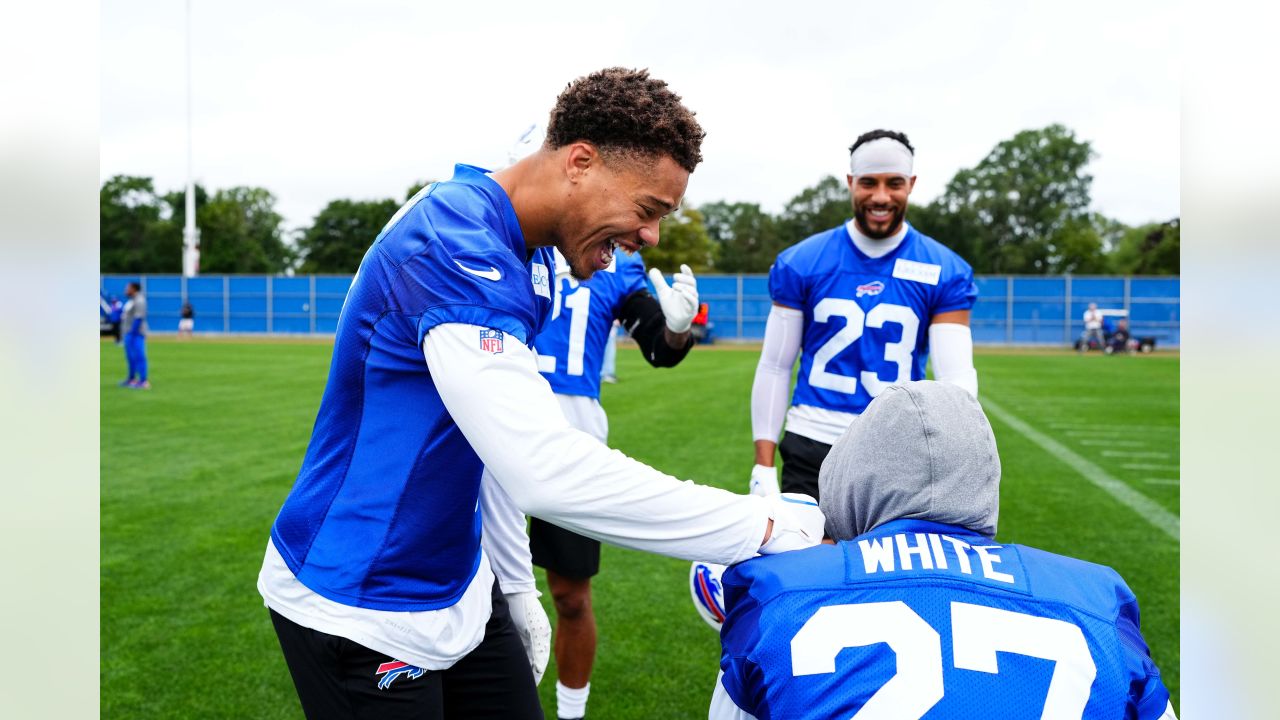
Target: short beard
{"type": "Point", "coordinates": [860, 216]}
{"type": "Point", "coordinates": [574, 261]}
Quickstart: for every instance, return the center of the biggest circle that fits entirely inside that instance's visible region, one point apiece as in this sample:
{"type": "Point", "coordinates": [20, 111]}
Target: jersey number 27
{"type": "Point", "coordinates": [977, 634]}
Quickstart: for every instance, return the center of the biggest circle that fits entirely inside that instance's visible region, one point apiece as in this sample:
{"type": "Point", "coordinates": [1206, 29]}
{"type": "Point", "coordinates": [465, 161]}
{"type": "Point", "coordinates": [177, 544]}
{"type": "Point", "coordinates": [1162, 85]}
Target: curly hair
{"type": "Point", "coordinates": [618, 109]}
{"type": "Point", "coordinates": [877, 134]}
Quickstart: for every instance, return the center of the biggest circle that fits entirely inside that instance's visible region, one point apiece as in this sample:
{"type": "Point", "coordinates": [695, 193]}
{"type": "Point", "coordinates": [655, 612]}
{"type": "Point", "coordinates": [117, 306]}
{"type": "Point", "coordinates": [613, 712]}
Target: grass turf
{"type": "Point", "coordinates": [194, 471]}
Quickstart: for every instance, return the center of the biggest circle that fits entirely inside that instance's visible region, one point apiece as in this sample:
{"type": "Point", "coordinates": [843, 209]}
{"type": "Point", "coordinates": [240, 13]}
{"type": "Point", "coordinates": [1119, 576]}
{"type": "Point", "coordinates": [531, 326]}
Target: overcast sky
{"type": "Point", "coordinates": [322, 100]}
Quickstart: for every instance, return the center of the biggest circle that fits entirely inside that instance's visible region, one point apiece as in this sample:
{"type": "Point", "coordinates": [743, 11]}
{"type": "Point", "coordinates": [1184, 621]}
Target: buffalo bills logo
{"type": "Point", "coordinates": [709, 592]}
{"type": "Point", "coordinates": [394, 670]}
{"type": "Point", "coordinates": [871, 288]}
{"type": "Point", "coordinates": [491, 340]}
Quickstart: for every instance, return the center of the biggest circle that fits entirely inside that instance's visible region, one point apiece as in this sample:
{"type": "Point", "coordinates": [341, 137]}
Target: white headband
{"type": "Point", "coordinates": [882, 155]}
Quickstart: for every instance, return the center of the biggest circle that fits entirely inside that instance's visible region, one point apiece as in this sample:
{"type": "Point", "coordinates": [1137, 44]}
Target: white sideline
{"type": "Point", "coordinates": [1150, 510]}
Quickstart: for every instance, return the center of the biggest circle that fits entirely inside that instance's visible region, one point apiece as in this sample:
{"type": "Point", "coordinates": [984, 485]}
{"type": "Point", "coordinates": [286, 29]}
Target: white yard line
{"type": "Point", "coordinates": [1117, 432]}
{"type": "Point", "coordinates": [1137, 453]}
{"type": "Point", "coordinates": [1148, 466]}
{"type": "Point", "coordinates": [1088, 426]}
{"type": "Point", "coordinates": [1150, 510]}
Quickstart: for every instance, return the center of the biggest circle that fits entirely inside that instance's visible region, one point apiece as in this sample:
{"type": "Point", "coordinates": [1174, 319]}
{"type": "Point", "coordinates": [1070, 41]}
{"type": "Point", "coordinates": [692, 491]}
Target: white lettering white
{"type": "Point", "coordinates": [926, 551]}
{"type": "Point", "coordinates": [922, 549]}
{"type": "Point", "coordinates": [939, 557]}
{"type": "Point", "coordinates": [988, 560]}
{"type": "Point", "coordinates": [961, 555]}
{"type": "Point", "coordinates": [877, 554]}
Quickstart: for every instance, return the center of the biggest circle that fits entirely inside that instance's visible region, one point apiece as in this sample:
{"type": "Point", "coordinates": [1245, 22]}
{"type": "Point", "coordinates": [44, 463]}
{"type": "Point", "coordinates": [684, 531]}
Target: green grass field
{"type": "Point", "coordinates": [194, 471]}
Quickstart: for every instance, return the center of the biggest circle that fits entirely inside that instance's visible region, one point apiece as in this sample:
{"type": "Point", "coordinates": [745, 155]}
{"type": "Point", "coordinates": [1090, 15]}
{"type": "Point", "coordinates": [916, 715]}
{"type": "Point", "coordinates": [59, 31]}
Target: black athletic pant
{"type": "Point", "coordinates": [801, 460]}
{"type": "Point", "coordinates": [338, 679]}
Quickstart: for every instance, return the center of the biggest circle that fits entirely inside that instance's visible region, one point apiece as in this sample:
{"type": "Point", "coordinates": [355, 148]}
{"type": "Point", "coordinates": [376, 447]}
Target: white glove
{"type": "Point", "coordinates": [797, 523]}
{"type": "Point", "coordinates": [534, 629]}
{"type": "Point", "coordinates": [679, 300]}
{"type": "Point", "coordinates": [764, 481]}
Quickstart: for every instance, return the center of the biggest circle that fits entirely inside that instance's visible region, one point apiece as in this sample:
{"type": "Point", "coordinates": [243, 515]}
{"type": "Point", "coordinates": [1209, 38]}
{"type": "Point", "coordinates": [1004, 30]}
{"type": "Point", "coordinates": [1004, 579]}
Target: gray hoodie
{"type": "Point", "coordinates": [920, 450]}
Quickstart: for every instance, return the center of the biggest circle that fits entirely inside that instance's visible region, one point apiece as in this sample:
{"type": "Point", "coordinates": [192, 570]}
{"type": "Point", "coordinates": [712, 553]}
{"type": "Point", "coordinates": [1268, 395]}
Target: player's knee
{"type": "Point", "coordinates": [573, 602]}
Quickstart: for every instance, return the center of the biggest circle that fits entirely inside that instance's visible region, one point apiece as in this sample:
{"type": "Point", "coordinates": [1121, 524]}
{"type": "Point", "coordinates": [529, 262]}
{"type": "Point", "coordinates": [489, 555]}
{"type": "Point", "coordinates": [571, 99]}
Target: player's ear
{"type": "Point", "coordinates": [580, 158]}
{"type": "Point", "coordinates": [911, 184]}
{"type": "Point", "coordinates": [848, 179]}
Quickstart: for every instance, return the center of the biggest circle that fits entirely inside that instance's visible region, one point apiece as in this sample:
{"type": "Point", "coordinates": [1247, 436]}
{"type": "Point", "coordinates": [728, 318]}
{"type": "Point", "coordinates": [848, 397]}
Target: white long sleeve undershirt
{"type": "Point", "coordinates": [508, 414]}
{"type": "Point", "coordinates": [770, 389]}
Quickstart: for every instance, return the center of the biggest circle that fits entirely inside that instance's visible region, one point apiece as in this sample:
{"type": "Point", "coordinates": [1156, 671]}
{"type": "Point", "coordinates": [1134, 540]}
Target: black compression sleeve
{"type": "Point", "coordinates": [642, 317]}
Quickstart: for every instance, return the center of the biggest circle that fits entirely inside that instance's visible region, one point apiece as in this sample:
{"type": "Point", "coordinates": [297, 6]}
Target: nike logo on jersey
{"type": "Point", "coordinates": [491, 274]}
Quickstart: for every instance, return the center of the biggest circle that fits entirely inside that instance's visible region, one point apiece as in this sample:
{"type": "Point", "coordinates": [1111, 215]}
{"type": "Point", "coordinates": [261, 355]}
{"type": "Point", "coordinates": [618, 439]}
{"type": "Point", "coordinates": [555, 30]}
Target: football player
{"type": "Point", "coordinates": [134, 320]}
{"type": "Point", "coordinates": [915, 607]}
{"type": "Point", "coordinates": [862, 304]}
{"type": "Point", "coordinates": [381, 597]}
{"type": "Point", "coordinates": [570, 354]}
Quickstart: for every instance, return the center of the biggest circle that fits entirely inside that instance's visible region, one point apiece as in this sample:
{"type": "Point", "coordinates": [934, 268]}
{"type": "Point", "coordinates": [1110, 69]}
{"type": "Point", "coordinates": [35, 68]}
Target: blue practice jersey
{"type": "Point", "coordinates": [935, 622]}
{"type": "Point", "coordinates": [571, 348]}
{"type": "Point", "coordinates": [384, 512]}
{"type": "Point", "coordinates": [866, 320]}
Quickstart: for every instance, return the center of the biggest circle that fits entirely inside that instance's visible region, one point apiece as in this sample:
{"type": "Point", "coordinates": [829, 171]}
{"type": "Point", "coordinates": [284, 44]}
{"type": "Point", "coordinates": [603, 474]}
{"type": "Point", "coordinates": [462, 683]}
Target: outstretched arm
{"type": "Point", "coordinates": [509, 416]}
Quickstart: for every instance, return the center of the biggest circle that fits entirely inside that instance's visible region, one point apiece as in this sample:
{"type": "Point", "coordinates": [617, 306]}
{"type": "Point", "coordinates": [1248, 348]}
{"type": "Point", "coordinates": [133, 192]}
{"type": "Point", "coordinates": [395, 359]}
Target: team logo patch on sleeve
{"type": "Point", "coordinates": [394, 670]}
{"type": "Point", "coordinates": [871, 288]}
{"type": "Point", "coordinates": [541, 279]}
{"type": "Point", "coordinates": [491, 340]}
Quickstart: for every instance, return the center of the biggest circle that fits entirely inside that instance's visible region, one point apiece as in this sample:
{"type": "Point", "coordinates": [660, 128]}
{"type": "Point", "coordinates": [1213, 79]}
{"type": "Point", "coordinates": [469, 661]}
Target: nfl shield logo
{"type": "Point", "coordinates": [491, 341]}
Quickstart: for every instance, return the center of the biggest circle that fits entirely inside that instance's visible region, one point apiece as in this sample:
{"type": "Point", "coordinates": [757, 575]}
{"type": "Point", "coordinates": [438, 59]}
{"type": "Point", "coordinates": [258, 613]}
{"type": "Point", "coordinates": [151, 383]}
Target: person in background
{"type": "Point", "coordinates": [1092, 328]}
{"type": "Point", "coordinates": [117, 309]}
{"type": "Point", "coordinates": [134, 320]}
{"type": "Point", "coordinates": [571, 349]}
{"type": "Point", "coordinates": [1122, 340]}
{"type": "Point", "coordinates": [864, 305]}
{"type": "Point", "coordinates": [187, 323]}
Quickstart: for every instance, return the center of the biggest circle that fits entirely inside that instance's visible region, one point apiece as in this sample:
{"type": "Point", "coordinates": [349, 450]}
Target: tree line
{"type": "Point", "coordinates": [1024, 209]}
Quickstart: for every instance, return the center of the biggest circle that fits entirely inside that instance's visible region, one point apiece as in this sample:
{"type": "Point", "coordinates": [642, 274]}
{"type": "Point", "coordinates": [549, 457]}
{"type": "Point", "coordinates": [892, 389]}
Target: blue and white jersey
{"type": "Point", "coordinates": [384, 512]}
{"type": "Point", "coordinates": [571, 347]}
{"type": "Point", "coordinates": [934, 621]}
{"type": "Point", "coordinates": [866, 320]}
